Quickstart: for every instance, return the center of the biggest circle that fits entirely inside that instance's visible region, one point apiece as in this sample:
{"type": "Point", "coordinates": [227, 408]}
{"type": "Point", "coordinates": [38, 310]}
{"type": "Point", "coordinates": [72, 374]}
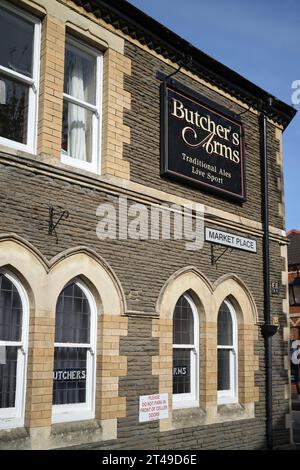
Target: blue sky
{"type": "Point", "coordinates": [260, 39]}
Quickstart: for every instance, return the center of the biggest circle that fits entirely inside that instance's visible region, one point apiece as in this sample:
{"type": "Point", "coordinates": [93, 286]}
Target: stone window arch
{"type": "Point", "coordinates": [44, 280]}
{"type": "Point", "coordinates": [208, 298]}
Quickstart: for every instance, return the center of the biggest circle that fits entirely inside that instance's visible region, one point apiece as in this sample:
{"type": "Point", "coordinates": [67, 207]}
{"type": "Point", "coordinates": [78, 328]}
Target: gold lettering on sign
{"type": "Point", "coordinates": [209, 143]}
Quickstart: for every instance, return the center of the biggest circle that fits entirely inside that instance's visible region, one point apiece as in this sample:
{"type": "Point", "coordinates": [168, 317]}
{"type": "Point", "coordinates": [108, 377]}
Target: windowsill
{"type": "Point", "coordinates": [11, 423]}
{"type": "Point", "coordinates": [50, 163]}
{"type": "Point", "coordinates": [5, 148]}
{"type": "Point", "coordinates": [79, 433]}
{"type": "Point", "coordinates": [226, 409]}
{"type": "Point", "coordinates": [54, 167]}
{"type": "Point", "coordinates": [90, 425]}
{"type": "Point", "coordinates": [17, 146]}
{"type": "Point", "coordinates": [184, 413]}
{"type": "Point", "coordinates": [59, 436]}
{"type": "Point", "coordinates": [13, 434]}
{"type": "Point", "coordinates": [188, 417]}
{"type": "Point", "coordinates": [234, 412]}
{"type": "Point", "coordinates": [191, 417]}
{"type": "Point", "coordinates": [79, 164]}
{"type": "Point", "coordinates": [72, 415]}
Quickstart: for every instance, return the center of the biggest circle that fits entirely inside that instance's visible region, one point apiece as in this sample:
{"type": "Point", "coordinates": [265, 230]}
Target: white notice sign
{"type": "Point", "coordinates": [229, 239]}
{"type": "Point", "coordinates": [153, 407]}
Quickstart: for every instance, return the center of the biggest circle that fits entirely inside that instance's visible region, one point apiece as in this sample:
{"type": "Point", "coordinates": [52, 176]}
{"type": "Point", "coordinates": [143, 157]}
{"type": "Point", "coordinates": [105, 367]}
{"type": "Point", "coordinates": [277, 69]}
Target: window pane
{"type": "Point", "coordinates": [13, 110]}
{"type": "Point", "coordinates": [69, 376]}
{"type": "Point", "coordinates": [225, 334]}
{"type": "Point", "coordinates": [224, 369]}
{"type": "Point", "coordinates": [181, 371]}
{"type": "Point", "coordinates": [77, 132]}
{"type": "Point", "coordinates": [16, 39]}
{"type": "Point", "coordinates": [291, 296]}
{"type": "Point", "coordinates": [10, 311]}
{"type": "Point", "coordinates": [72, 316]}
{"type": "Point", "coordinates": [183, 323]}
{"type": "Point", "coordinates": [80, 75]}
{"type": "Point", "coordinates": [8, 377]}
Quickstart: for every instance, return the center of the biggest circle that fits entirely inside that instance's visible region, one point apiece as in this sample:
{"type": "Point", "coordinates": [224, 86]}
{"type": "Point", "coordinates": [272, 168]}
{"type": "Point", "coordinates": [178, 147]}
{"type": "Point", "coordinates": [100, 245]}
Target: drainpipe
{"type": "Point", "coordinates": [268, 329]}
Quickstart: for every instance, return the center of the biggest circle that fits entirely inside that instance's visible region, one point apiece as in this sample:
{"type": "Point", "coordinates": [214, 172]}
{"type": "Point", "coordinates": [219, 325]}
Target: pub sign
{"type": "Point", "coordinates": [202, 144]}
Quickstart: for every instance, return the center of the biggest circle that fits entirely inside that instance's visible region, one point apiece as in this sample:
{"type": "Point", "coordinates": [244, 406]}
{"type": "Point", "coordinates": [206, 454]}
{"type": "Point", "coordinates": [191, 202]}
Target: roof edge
{"type": "Point", "coordinates": [290, 232]}
{"type": "Point", "coordinates": [137, 24]}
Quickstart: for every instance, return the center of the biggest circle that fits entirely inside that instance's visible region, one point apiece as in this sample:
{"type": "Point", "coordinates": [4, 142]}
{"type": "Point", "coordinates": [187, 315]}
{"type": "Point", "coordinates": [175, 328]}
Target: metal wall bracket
{"type": "Point", "coordinates": [269, 330]}
{"type": "Point", "coordinates": [214, 253]}
{"type": "Point", "coordinates": [62, 214]}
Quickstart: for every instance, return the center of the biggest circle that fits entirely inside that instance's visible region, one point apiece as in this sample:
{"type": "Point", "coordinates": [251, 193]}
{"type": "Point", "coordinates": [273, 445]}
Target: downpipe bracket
{"type": "Point", "coordinates": [269, 330]}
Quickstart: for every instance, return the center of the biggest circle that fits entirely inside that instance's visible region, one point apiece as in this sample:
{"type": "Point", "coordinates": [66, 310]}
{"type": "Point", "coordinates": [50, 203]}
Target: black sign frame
{"type": "Point", "coordinates": [165, 171]}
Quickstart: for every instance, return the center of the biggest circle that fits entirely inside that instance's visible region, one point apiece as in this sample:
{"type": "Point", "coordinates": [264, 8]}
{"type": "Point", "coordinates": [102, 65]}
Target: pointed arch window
{"type": "Point", "coordinates": [74, 354]}
{"type": "Point", "coordinates": [185, 353]}
{"type": "Point", "coordinates": [227, 354]}
{"type": "Point", "coordinates": [14, 316]}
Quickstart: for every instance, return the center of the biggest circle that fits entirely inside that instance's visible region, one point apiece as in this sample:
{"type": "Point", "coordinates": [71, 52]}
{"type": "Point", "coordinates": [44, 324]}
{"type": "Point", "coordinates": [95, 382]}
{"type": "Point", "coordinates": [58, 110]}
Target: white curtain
{"type": "Point", "coordinates": [77, 114]}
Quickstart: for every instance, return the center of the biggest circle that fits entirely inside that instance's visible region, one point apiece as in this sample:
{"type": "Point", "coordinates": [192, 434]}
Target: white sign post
{"type": "Point", "coordinates": [229, 239]}
{"type": "Point", "coordinates": [153, 407]}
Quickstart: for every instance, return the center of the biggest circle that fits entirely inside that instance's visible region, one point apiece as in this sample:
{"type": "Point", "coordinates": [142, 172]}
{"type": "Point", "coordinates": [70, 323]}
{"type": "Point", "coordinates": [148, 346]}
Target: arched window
{"type": "Point", "coordinates": [74, 354]}
{"type": "Point", "coordinates": [227, 354]}
{"type": "Point", "coordinates": [185, 353]}
{"type": "Point", "coordinates": [13, 350]}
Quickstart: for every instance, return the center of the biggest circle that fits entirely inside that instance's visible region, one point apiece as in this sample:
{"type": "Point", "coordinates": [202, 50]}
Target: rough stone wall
{"type": "Point", "coordinates": [143, 268]}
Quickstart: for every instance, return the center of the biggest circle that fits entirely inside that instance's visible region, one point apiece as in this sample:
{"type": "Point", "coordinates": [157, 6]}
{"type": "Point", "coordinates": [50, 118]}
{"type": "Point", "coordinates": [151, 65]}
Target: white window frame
{"type": "Point", "coordinates": [33, 83]}
{"type": "Point", "coordinates": [231, 395]}
{"type": "Point", "coordinates": [14, 417]}
{"type": "Point", "coordinates": [82, 411]}
{"type": "Point", "coordinates": [95, 164]}
{"type": "Point", "coordinates": [190, 400]}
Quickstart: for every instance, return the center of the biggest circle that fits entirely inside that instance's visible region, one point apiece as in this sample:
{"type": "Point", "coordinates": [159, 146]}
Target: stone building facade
{"type": "Point", "coordinates": [126, 290]}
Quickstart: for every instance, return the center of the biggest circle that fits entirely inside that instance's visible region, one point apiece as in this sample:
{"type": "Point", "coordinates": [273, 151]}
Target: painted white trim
{"type": "Point", "coordinates": [86, 166]}
{"type": "Point", "coordinates": [95, 164]}
{"type": "Point", "coordinates": [74, 345]}
{"type": "Point", "coordinates": [83, 104]}
{"type": "Point", "coordinates": [190, 400]}
{"type": "Point", "coordinates": [33, 83]}
{"type": "Point", "coordinates": [79, 46]}
{"type": "Point", "coordinates": [82, 411]}
{"type": "Point", "coordinates": [11, 343]}
{"type": "Point", "coordinates": [14, 417]}
{"type": "Point", "coordinates": [231, 395]}
{"type": "Point", "coordinates": [18, 76]}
